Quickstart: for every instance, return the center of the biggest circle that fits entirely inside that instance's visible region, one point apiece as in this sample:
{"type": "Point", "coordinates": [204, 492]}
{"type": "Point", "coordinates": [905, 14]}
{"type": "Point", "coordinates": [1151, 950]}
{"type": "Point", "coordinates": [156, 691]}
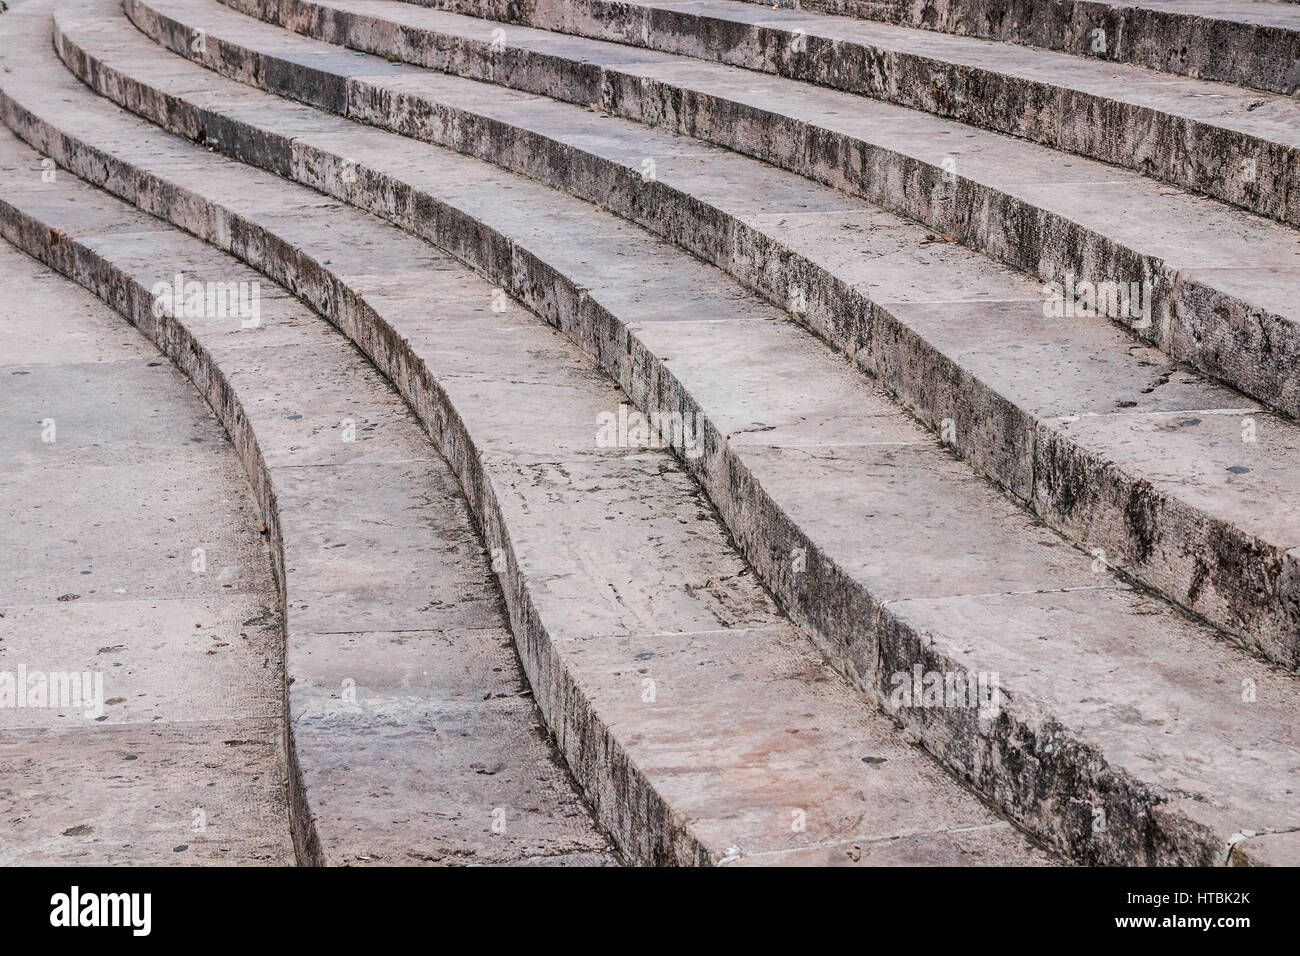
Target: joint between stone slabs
{"type": "Point", "coordinates": [1117, 585]}
{"type": "Point", "coordinates": [367, 463]}
{"type": "Point", "coordinates": [863, 842]}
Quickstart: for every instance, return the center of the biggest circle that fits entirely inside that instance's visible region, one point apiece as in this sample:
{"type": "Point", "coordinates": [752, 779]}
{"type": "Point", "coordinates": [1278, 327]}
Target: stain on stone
{"type": "Point", "coordinates": [1198, 582]}
{"type": "Point", "coordinates": [1141, 517]}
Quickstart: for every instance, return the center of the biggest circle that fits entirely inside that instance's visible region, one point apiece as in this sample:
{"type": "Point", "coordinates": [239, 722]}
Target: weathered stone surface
{"type": "Point", "coordinates": [129, 557]}
{"type": "Point", "coordinates": [128, 796]}
{"type": "Point", "coordinates": [989, 370]}
{"type": "Point", "coordinates": [1194, 134]}
{"type": "Point", "coordinates": [1266, 849]}
{"type": "Point", "coordinates": [165, 659]}
{"type": "Point", "coordinates": [615, 568]}
{"type": "Point", "coordinates": [1067, 763]}
{"type": "Point", "coordinates": [372, 532]}
{"type": "Point", "coordinates": [1028, 206]}
{"type": "Point", "coordinates": [1236, 41]}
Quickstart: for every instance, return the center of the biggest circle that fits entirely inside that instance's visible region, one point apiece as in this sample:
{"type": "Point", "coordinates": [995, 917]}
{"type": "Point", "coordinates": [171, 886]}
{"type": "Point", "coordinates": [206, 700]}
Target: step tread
{"type": "Point", "coordinates": [1246, 11]}
{"type": "Point", "coordinates": [1272, 12]}
{"type": "Point", "coordinates": [735, 679]}
{"type": "Point", "coordinates": [1172, 667]}
{"type": "Point", "coordinates": [1226, 142]}
{"type": "Point", "coordinates": [1269, 12]}
{"type": "Point", "coordinates": [1082, 382]}
{"type": "Point", "coordinates": [1269, 116]}
{"type": "Point", "coordinates": [1251, 42]}
{"type": "Point", "coordinates": [98, 541]}
{"type": "Point", "coordinates": [136, 823]}
{"type": "Point", "coordinates": [1221, 279]}
{"type": "Point", "coordinates": [1018, 164]}
{"type": "Point", "coordinates": [359, 522]}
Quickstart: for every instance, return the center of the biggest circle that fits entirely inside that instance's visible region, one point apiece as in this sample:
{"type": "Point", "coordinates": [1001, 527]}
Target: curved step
{"type": "Point", "coordinates": [1123, 451]}
{"type": "Point", "coordinates": [409, 729]}
{"type": "Point", "coordinates": [1219, 282]}
{"type": "Point", "coordinates": [141, 663]}
{"type": "Point", "coordinates": [1250, 42]}
{"type": "Point", "coordinates": [958, 177]}
{"type": "Point", "coordinates": [1124, 732]}
{"type": "Point", "coordinates": [699, 721]}
{"type": "Point", "coordinates": [1191, 133]}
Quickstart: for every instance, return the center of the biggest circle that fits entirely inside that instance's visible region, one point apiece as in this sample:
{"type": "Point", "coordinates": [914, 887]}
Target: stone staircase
{"type": "Point", "coordinates": [397, 643]}
{"type": "Point", "coordinates": [819, 253]}
{"type": "Point", "coordinates": [1248, 42]}
{"type": "Point", "coordinates": [140, 650]}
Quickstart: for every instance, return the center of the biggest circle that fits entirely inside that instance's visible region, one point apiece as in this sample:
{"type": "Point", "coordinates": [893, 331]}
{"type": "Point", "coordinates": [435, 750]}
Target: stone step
{"type": "Point", "coordinates": [1233, 145]}
{"type": "Point", "coordinates": [1163, 473]}
{"type": "Point", "coordinates": [1219, 281]}
{"type": "Point", "coordinates": [702, 725]}
{"type": "Point", "coordinates": [141, 666]}
{"type": "Point", "coordinates": [1194, 134]}
{"type": "Point", "coordinates": [1123, 731]}
{"type": "Point", "coordinates": [1250, 42]}
{"type": "Point", "coordinates": [412, 725]}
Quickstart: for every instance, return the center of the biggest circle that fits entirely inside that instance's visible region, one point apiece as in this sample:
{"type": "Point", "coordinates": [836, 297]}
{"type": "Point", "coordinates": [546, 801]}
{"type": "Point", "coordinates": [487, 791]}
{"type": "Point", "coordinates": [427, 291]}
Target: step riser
{"type": "Point", "coordinates": [1189, 320]}
{"type": "Point", "coordinates": [644, 827]}
{"type": "Point", "coordinates": [1183, 44]}
{"type": "Point", "coordinates": [1197, 156]}
{"type": "Point", "coordinates": [1039, 774]}
{"type": "Point", "coordinates": [1240, 583]}
{"type": "Point", "coordinates": [72, 259]}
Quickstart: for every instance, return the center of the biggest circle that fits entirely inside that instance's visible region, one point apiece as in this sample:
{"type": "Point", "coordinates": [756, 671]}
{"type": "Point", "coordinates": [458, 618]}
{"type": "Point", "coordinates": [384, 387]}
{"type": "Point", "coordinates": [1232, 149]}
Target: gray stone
{"type": "Point", "coordinates": [1048, 758]}
{"type": "Point", "coordinates": [1024, 204]}
{"type": "Point", "coordinates": [177, 652]}
{"type": "Point", "coordinates": [1000, 381]}
{"type": "Point", "coordinates": [575, 585]}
